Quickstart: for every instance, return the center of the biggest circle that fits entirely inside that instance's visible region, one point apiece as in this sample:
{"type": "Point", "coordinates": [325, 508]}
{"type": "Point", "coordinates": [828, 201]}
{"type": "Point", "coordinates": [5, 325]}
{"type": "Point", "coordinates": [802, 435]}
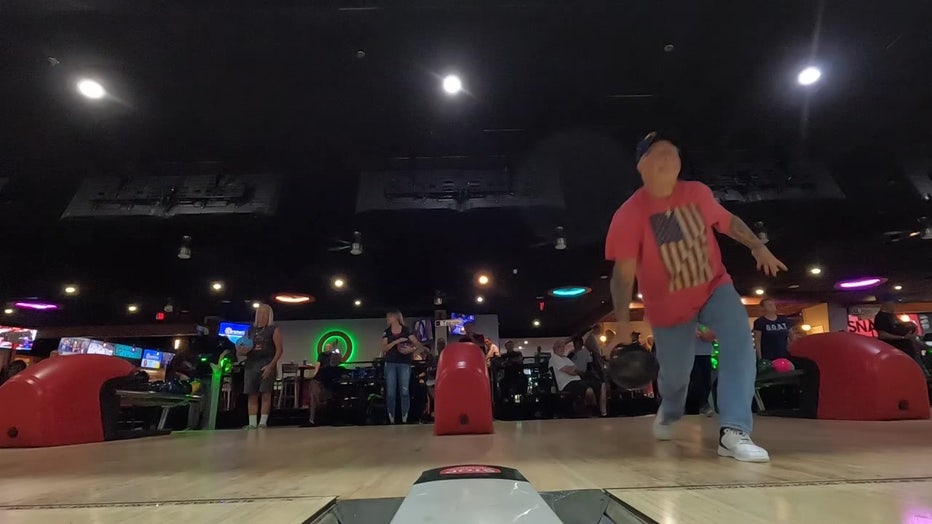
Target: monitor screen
{"type": "Point", "coordinates": [151, 359]}
{"type": "Point", "coordinates": [467, 319]}
{"type": "Point", "coordinates": [73, 345]}
{"type": "Point", "coordinates": [97, 347]}
{"type": "Point", "coordinates": [233, 331]}
{"type": "Point", "coordinates": [19, 338]}
{"type": "Point", "coordinates": [127, 352]}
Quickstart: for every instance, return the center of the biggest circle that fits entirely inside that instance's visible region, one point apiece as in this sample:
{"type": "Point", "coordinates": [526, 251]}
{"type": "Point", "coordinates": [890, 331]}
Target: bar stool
{"type": "Point", "coordinates": [289, 385]}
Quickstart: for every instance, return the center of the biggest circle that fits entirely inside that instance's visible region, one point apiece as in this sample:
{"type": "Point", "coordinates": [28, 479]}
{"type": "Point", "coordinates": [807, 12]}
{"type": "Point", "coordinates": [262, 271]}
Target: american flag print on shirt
{"type": "Point", "coordinates": [684, 246]}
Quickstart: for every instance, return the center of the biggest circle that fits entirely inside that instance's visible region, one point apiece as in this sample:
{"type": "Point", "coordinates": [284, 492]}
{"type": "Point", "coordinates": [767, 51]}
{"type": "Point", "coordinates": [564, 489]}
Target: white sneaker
{"type": "Point", "coordinates": [249, 426]}
{"type": "Point", "coordinates": [662, 431]}
{"type": "Point", "coordinates": [738, 445]}
{"type": "Point", "coordinates": [262, 426]}
{"type": "Point", "coordinates": [707, 410]}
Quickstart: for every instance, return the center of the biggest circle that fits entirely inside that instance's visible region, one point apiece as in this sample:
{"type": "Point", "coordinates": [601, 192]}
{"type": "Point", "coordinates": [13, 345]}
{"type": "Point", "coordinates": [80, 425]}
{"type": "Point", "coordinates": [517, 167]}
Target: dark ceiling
{"type": "Point", "coordinates": [280, 88]}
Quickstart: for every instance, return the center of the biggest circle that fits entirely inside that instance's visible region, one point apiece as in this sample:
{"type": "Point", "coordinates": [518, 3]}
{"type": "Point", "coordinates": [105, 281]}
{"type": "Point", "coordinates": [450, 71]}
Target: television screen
{"type": "Point", "coordinates": [19, 338]}
{"type": "Point", "coordinates": [467, 319]}
{"type": "Point", "coordinates": [127, 352]}
{"type": "Point", "coordinates": [233, 331]}
{"type": "Point", "coordinates": [97, 347]}
{"type": "Point", "coordinates": [151, 359]}
{"type": "Point", "coordinates": [73, 345]}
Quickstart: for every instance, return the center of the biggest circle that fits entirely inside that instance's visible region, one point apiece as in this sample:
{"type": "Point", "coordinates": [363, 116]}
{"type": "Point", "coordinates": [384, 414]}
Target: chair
{"type": "Point", "coordinates": [290, 385]}
{"type": "Point", "coordinates": [567, 404]}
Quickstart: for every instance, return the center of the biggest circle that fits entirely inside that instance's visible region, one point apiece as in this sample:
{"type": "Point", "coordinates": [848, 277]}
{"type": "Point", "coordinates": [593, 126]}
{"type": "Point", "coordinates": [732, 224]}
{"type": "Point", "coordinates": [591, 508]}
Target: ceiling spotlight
{"type": "Point", "coordinates": [452, 84]}
{"type": "Point", "coordinates": [603, 338]}
{"type": "Point", "coordinates": [132, 308]}
{"type": "Point", "coordinates": [815, 270]}
{"type": "Point", "coordinates": [759, 292]}
{"type": "Point", "coordinates": [91, 89]}
{"type": "Point", "coordinates": [805, 327]}
{"type": "Point", "coordinates": [536, 323]}
{"type": "Point", "coordinates": [809, 76]}
{"type": "Point", "coordinates": [71, 289]}
{"type": "Point", "coordinates": [357, 302]}
{"type": "Point", "coordinates": [897, 288]}
{"type": "Point", "coordinates": [339, 283]}
{"type": "Point", "coordinates": [216, 286]}
{"type": "Point", "coordinates": [525, 342]}
{"type": "Point", "coordinates": [8, 311]}
{"type": "Point", "coordinates": [479, 299]}
{"type": "Point", "coordinates": [483, 280]}
{"type": "Point", "coordinates": [184, 251]}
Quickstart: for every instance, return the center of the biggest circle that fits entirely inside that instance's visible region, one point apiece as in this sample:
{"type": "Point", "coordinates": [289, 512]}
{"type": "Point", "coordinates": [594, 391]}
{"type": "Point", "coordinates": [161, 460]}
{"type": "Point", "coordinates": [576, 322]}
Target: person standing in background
{"type": "Point", "coordinates": [398, 343]}
{"type": "Point", "coordinates": [771, 332]}
{"type": "Point", "coordinates": [261, 365]}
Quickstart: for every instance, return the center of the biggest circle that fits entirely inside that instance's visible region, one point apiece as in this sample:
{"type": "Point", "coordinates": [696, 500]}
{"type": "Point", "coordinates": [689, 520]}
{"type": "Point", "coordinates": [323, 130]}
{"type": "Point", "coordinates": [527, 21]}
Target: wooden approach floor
{"type": "Point", "coordinates": [822, 471]}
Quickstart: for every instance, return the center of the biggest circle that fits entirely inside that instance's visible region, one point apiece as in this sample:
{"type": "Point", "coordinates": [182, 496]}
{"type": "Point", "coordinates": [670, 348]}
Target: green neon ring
{"type": "Point", "coordinates": [336, 333]}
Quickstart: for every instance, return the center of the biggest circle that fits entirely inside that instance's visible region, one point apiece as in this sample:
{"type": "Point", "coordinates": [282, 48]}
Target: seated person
{"type": "Point", "coordinates": [12, 370]}
{"type": "Point", "coordinates": [492, 351]}
{"type": "Point", "coordinates": [323, 376]}
{"type": "Point", "coordinates": [569, 378]}
{"type": "Point", "coordinates": [513, 381]}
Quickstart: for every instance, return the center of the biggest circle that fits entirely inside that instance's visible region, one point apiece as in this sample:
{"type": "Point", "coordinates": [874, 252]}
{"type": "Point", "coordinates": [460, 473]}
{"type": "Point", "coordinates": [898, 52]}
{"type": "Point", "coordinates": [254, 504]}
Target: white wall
{"type": "Point", "coordinates": [300, 337]}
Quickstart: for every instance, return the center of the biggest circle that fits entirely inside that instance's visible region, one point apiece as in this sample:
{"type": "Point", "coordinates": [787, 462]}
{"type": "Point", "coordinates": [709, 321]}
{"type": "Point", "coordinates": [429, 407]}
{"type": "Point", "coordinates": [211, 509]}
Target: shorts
{"type": "Point", "coordinates": [253, 383]}
{"type": "Point", "coordinates": [579, 387]}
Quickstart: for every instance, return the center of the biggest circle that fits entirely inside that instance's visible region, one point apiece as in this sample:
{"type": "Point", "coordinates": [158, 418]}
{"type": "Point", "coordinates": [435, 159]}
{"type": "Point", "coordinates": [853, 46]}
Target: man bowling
{"type": "Point", "coordinates": [663, 236]}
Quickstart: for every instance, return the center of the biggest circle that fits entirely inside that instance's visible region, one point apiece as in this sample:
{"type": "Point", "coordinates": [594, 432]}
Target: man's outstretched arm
{"type": "Point", "coordinates": [622, 286]}
{"type": "Point", "coordinates": [766, 261]}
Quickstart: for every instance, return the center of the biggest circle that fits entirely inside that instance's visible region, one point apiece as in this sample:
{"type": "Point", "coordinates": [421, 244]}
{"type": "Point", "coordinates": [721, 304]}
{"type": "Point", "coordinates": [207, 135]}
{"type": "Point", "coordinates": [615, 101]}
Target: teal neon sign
{"type": "Point", "coordinates": [569, 291]}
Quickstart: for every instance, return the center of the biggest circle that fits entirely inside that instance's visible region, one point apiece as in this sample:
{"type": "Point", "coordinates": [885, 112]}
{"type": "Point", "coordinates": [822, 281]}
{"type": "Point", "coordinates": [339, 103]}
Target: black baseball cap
{"type": "Point", "coordinates": [652, 138]}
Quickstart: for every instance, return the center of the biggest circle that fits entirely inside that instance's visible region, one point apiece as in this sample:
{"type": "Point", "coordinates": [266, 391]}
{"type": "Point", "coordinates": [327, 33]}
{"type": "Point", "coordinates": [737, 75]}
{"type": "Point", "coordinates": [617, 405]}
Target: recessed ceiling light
{"type": "Point", "coordinates": [132, 308]}
{"type": "Point", "coordinates": [452, 84]}
{"type": "Point", "coordinates": [8, 311]}
{"type": "Point", "coordinates": [216, 286]}
{"type": "Point", "coordinates": [483, 280]}
{"type": "Point", "coordinates": [536, 323]}
{"type": "Point", "coordinates": [805, 327]}
{"type": "Point", "coordinates": [897, 288]}
{"type": "Point", "coordinates": [357, 302]}
{"type": "Point", "coordinates": [525, 342]}
{"type": "Point", "coordinates": [759, 292]}
{"type": "Point", "coordinates": [793, 286]}
{"type": "Point", "coordinates": [809, 76]}
{"type": "Point", "coordinates": [91, 89]}
{"type": "Point", "coordinates": [339, 283]}
{"type": "Point", "coordinates": [815, 270]}
{"type": "Point", "coordinates": [293, 298]}
{"type": "Point", "coordinates": [479, 299]}
{"type": "Point", "coordinates": [71, 289]}
{"type": "Point", "coordinates": [256, 305]}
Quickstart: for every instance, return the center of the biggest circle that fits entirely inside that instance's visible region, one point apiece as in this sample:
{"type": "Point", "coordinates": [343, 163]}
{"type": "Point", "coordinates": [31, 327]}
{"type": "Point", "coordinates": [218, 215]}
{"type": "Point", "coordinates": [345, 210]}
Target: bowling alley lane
{"type": "Point", "coordinates": [874, 502]}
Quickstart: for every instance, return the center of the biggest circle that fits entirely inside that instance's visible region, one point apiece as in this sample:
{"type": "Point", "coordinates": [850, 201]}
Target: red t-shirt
{"type": "Point", "coordinates": [679, 263]}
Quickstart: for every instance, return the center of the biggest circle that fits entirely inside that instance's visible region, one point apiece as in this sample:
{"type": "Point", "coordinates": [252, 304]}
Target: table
{"type": "Point", "coordinates": [162, 400]}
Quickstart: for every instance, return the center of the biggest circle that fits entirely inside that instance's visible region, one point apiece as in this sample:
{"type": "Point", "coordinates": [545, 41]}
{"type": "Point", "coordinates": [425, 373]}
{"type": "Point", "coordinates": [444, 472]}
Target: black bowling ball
{"type": "Point", "coordinates": [633, 367]}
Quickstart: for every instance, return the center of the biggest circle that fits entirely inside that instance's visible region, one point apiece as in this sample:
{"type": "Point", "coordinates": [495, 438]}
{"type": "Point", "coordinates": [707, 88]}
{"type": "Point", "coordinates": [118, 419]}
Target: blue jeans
{"type": "Point", "coordinates": [397, 382]}
{"type": "Point", "coordinates": [724, 314]}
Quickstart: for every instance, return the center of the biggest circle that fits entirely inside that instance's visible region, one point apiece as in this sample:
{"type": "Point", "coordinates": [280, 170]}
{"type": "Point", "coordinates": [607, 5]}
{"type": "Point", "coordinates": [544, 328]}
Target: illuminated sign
{"type": "Point", "coordinates": [340, 339]}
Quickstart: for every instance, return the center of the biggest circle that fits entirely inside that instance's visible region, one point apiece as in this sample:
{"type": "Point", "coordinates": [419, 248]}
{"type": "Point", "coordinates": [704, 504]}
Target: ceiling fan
{"type": "Point", "coordinates": [354, 247]}
{"type": "Point", "coordinates": [558, 241]}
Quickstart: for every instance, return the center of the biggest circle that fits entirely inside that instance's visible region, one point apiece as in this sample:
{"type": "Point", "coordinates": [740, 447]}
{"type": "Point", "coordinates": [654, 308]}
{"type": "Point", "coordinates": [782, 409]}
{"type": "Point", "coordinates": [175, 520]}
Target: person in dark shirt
{"type": "Point", "coordinates": [398, 343]}
{"type": "Point", "coordinates": [889, 329]}
{"type": "Point", "coordinates": [771, 332]}
{"type": "Point", "coordinates": [476, 338]}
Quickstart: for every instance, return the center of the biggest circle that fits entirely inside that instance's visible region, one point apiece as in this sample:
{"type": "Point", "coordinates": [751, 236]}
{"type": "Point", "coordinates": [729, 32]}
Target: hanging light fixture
{"type": "Point", "coordinates": [184, 251]}
{"type": "Point", "coordinates": [560, 243]}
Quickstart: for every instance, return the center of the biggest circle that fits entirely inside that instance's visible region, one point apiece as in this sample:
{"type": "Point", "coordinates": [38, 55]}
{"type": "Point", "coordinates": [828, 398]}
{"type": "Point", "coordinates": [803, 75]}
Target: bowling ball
{"type": "Point", "coordinates": [782, 365]}
{"type": "Point", "coordinates": [186, 387]}
{"type": "Point", "coordinates": [764, 366]}
{"type": "Point", "coordinates": [244, 345]}
{"type": "Point", "coordinates": [156, 386]}
{"type": "Point", "coordinates": [633, 367]}
{"type": "Point", "coordinates": [140, 376]}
